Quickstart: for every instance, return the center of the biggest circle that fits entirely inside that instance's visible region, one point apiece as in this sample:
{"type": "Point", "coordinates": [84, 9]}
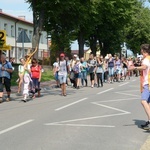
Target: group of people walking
{"type": "Point", "coordinates": [29, 77]}
{"type": "Point", "coordinates": [100, 69]}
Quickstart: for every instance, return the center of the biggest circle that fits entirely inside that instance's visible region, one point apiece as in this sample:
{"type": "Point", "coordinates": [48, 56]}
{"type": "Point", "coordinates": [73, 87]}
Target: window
{"type": "Point", "coordinates": [12, 52]}
{"type": "Point", "coordinates": [12, 31]}
{"type": "Point", "coordinates": [19, 53]}
{"type": "Point", "coordinates": [30, 35]}
{"type": "Point", "coordinates": [19, 31]}
{"type": "Point", "coordinates": [42, 38]}
{"type": "Point", "coordinates": [5, 28]}
{"type": "Point", "coordinates": [25, 52]}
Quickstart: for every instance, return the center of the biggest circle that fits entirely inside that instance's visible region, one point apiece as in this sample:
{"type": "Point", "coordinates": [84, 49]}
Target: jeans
{"type": "Point", "coordinates": [83, 77]}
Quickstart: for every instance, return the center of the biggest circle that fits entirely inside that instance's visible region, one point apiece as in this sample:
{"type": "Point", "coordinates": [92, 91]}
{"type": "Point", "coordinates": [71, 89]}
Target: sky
{"type": "Point", "coordinates": [21, 8]}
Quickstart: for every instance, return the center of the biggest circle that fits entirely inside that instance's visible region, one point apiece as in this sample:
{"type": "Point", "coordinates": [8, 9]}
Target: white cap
{"type": "Point", "coordinates": [77, 59]}
{"type": "Point", "coordinates": [75, 55]}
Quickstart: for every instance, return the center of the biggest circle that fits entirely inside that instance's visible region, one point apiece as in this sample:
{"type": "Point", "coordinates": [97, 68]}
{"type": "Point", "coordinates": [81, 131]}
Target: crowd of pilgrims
{"type": "Point", "coordinates": [97, 70]}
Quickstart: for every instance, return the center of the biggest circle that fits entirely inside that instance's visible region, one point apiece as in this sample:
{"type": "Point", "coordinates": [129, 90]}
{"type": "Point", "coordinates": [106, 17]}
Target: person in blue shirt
{"type": "Point", "coordinates": [83, 72]}
{"type": "Point", "coordinates": [5, 78]}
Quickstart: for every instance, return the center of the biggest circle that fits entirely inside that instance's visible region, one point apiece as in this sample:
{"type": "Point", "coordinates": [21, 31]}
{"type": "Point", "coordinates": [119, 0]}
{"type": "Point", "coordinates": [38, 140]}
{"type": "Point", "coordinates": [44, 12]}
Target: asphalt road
{"type": "Point", "coordinates": [105, 118]}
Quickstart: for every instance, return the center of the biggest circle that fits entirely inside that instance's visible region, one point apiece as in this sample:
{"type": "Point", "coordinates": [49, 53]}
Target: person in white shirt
{"type": "Point", "coordinates": [145, 82]}
{"type": "Point", "coordinates": [63, 69]}
{"type": "Point", "coordinates": [77, 71]}
{"type": "Point", "coordinates": [55, 71]}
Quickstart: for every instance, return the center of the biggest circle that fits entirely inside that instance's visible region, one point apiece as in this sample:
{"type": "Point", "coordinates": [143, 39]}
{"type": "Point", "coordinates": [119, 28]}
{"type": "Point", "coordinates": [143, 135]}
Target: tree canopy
{"type": "Point", "coordinates": [106, 23]}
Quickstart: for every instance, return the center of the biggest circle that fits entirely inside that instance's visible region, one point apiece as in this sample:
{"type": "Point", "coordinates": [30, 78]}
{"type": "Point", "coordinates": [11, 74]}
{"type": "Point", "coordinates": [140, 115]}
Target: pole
{"type": "Point", "coordinates": [23, 42]}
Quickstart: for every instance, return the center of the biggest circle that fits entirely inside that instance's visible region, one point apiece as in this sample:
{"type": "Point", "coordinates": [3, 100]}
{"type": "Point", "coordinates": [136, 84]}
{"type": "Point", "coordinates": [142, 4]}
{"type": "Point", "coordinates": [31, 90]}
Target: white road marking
{"type": "Point", "coordinates": [16, 126]}
{"type": "Point", "coordinates": [89, 118]}
{"type": "Point", "coordinates": [84, 125]}
{"type": "Point", "coordinates": [117, 100]}
{"type": "Point", "coordinates": [123, 84]}
{"type": "Point", "coordinates": [133, 80]}
{"type": "Point", "coordinates": [134, 86]}
{"type": "Point", "coordinates": [126, 94]}
{"type": "Point", "coordinates": [131, 90]}
{"type": "Point", "coordinates": [113, 108]}
{"type": "Point", "coordinates": [95, 117]}
{"type": "Point", "coordinates": [71, 104]}
{"type": "Point", "coordinates": [105, 91]}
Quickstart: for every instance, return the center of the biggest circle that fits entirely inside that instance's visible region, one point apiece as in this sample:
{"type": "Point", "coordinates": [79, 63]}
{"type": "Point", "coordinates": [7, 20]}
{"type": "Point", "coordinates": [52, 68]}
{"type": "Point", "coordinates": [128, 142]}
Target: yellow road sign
{"type": "Point", "coordinates": [3, 45]}
{"type": "Point", "coordinates": [2, 37]}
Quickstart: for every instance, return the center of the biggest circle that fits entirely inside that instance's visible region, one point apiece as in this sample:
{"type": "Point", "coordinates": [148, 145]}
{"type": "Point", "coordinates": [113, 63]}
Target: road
{"type": "Point", "coordinates": [105, 118]}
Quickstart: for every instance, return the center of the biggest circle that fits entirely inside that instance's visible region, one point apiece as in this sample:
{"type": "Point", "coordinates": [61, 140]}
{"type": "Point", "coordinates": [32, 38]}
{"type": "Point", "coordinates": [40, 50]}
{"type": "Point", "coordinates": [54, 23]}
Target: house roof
{"type": "Point", "coordinates": [17, 19]}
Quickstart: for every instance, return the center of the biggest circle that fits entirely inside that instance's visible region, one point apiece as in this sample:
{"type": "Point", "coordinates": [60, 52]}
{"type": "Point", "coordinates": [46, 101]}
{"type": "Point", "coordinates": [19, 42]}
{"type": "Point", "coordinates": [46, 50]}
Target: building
{"type": "Point", "coordinates": [13, 27]}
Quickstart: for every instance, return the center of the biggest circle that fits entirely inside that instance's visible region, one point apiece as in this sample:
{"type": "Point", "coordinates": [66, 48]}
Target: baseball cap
{"type": "Point", "coordinates": [62, 55]}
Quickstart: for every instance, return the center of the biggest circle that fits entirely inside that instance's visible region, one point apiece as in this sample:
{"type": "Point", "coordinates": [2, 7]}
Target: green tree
{"type": "Point", "coordinates": [137, 32]}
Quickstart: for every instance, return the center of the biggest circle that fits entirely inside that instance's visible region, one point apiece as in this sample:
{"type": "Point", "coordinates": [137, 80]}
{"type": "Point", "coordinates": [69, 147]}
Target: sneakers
{"type": "Point", "coordinates": [7, 99]}
{"type": "Point", "coordinates": [146, 126]}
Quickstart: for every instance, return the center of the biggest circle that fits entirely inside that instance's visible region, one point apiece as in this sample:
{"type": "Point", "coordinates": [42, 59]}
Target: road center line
{"type": "Point", "coordinates": [84, 125]}
{"type": "Point", "coordinates": [16, 126]}
{"type": "Point", "coordinates": [123, 84]}
{"type": "Point", "coordinates": [105, 91]}
{"type": "Point", "coordinates": [71, 104]}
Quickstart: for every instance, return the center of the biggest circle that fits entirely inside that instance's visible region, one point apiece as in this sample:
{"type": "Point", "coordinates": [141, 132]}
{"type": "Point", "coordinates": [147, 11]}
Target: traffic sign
{"type": "Point", "coordinates": [2, 38]}
{"type": "Point", "coordinates": [3, 45]}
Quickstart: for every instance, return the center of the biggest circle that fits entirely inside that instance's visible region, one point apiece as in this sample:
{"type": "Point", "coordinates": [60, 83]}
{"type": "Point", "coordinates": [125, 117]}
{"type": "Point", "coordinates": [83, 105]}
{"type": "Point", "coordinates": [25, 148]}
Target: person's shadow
{"type": "Point", "coordinates": [138, 123]}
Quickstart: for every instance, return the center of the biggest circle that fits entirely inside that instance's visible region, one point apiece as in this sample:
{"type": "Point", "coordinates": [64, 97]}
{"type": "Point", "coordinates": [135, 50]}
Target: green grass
{"type": "Point", "coordinates": [47, 75]}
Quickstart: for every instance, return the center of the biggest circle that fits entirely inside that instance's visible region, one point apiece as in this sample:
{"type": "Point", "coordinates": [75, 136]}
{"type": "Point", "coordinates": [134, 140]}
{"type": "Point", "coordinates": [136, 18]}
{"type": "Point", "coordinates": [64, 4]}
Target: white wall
{"type": "Point", "coordinates": [10, 39]}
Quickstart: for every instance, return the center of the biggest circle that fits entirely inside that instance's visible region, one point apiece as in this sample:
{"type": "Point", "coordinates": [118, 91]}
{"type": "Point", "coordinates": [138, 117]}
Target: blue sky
{"type": "Point", "coordinates": [21, 8]}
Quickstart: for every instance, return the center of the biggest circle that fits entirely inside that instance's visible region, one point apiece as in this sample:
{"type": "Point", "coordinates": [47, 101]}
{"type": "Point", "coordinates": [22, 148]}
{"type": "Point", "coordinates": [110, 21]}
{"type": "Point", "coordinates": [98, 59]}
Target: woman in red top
{"type": "Point", "coordinates": [36, 76]}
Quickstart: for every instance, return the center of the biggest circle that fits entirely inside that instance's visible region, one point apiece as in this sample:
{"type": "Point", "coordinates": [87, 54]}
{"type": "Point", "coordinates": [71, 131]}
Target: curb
{"type": "Point", "coordinates": [48, 84]}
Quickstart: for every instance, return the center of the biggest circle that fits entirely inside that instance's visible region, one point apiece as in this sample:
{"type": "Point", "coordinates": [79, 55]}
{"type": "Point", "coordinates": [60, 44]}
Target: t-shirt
{"type": "Point", "coordinates": [55, 64]}
{"type": "Point", "coordinates": [84, 66]}
{"type": "Point", "coordinates": [77, 68]}
{"type": "Point", "coordinates": [4, 73]}
{"type": "Point", "coordinates": [99, 68]}
{"type": "Point", "coordinates": [146, 62]}
{"type": "Point", "coordinates": [35, 71]}
{"type": "Point", "coordinates": [111, 63]}
{"type": "Point", "coordinates": [92, 65]}
{"type": "Point", "coordinates": [21, 69]}
{"type": "Point", "coordinates": [62, 67]}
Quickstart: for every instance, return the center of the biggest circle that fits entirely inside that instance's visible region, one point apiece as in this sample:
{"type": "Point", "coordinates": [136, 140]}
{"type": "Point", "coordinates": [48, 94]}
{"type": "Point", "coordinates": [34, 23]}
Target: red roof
{"type": "Point", "coordinates": [15, 18]}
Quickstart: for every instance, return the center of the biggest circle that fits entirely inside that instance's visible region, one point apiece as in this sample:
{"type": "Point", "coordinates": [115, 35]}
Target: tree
{"type": "Point", "coordinates": [38, 7]}
{"type": "Point", "coordinates": [137, 32]}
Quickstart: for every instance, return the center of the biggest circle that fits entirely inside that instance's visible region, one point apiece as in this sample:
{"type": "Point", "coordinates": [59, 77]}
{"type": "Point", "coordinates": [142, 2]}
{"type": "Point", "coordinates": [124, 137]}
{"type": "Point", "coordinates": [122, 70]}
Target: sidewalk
{"type": "Point", "coordinates": [50, 84]}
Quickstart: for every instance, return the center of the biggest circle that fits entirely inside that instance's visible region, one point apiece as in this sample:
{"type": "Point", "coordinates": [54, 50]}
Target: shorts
{"type": "Point", "coordinates": [111, 71]}
{"type": "Point", "coordinates": [56, 76]}
{"type": "Point", "coordinates": [35, 82]}
{"type": "Point", "coordinates": [77, 75]}
{"type": "Point", "coordinates": [62, 78]}
{"type": "Point", "coordinates": [146, 93]}
{"type": "Point", "coordinates": [92, 75]}
{"type": "Point", "coordinates": [7, 84]}
{"type": "Point", "coordinates": [118, 71]}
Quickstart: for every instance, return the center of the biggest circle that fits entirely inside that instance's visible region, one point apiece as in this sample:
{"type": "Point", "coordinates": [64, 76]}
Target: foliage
{"type": "Point", "coordinates": [137, 32]}
{"type": "Point", "coordinates": [109, 22]}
